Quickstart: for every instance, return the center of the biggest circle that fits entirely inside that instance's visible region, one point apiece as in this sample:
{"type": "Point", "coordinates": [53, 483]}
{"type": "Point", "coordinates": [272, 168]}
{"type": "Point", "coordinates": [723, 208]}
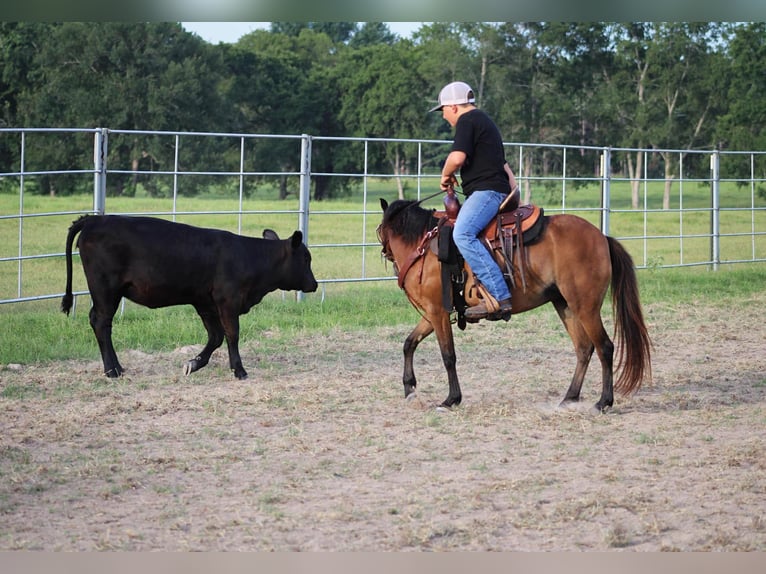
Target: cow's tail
{"type": "Point", "coordinates": [74, 229]}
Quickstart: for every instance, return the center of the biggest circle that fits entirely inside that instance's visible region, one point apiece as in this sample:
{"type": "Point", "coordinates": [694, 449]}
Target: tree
{"type": "Point", "coordinates": [680, 66]}
{"type": "Point", "coordinates": [574, 56]}
{"type": "Point", "coordinates": [125, 76]}
{"type": "Point", "coordinates": [743, 126]}
{"type": "Point", "coordinates": [372, 33]}
{"type": "Point", "coordinates": [515, 90]}
{"type": "Point", "coordinates": [294, 96]}
{"type": "Point", "coordinates": [662, 92]}
{"type": "Point", "coordinates": [338, 32]}
{"type": "Point", "coordinates": [377, 88]}
{"type": "Point", "coordinates": [19, 42]}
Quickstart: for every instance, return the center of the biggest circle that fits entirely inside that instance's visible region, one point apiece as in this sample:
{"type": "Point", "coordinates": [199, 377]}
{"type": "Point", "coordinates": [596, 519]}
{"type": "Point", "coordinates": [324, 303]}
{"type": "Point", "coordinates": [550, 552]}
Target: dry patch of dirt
{"type": "Point", "coordinates": [318, 450]}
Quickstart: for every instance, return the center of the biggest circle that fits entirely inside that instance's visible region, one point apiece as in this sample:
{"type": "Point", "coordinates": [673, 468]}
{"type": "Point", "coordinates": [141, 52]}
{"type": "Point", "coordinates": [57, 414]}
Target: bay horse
{"type": "Point", "coordinates": [572, 265]}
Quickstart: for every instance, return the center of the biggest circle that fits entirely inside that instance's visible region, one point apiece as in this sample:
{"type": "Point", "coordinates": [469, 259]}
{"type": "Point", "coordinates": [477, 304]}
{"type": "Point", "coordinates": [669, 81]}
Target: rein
{"type": "Point", "coordinates": [420, 250]}
{"type": "Point", "coordinates": [417, 254]}
{"type": "Point", "coordinates": [414, 256]}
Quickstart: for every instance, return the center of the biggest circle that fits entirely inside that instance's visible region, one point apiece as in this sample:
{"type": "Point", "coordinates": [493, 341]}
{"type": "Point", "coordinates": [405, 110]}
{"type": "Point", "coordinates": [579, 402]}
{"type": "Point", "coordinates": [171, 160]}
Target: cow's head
{"type": "Point", "coordinates": [296, 273]}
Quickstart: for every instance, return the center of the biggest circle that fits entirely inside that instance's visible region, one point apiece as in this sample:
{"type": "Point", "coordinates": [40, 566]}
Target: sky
{"type": "Point", "coordinates": [215, 32]}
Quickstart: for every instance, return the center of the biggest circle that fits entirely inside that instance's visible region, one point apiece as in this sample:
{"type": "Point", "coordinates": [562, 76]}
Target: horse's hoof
{"type": "Point", "coordinates": [443, 409]}
{"type": "Point", "coordinates": [568, 405]}
{"type": "Point", "coordinates": [599, 410]}
{"type": "Point", "coordinates": [414, 401]}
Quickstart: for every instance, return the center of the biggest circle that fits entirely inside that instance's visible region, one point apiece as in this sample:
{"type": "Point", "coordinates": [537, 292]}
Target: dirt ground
{"type": "Point", "coordinates": [318, 450]}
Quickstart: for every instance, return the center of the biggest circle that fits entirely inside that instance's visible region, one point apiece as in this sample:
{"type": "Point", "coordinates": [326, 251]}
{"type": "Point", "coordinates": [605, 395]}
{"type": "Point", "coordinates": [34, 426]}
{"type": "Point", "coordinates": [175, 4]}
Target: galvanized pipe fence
{"type": "Point", "coordinates": [626, 205]}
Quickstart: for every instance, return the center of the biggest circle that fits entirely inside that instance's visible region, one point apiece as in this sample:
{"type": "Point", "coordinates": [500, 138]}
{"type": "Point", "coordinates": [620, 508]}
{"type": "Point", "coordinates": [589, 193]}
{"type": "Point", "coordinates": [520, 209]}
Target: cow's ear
{"type": "Point", "coordinates": [383, 204]}
{"type": "Point", "coordinates": [270, 234]}
{"type": "Point", "coordinates": [297, 239]}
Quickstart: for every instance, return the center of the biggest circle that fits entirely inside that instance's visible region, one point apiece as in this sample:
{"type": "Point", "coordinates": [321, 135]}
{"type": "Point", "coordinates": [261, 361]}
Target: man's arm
{"type": "Point", "coordinates": [454, 162]}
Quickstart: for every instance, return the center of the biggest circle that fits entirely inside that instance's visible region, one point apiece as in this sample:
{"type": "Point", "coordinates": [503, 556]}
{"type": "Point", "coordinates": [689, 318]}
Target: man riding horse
{"type": "Point", "coordinates": [487, 179]}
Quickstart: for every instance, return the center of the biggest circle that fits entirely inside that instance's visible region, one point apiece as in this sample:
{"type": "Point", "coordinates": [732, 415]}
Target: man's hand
{"type": "Point", "coordinates": [448, 181]}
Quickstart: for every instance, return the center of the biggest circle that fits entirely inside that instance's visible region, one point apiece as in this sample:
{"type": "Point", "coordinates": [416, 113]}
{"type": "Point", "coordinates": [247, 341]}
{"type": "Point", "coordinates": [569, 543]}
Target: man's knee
{"type": "Point", "coordinates": [461, 237]}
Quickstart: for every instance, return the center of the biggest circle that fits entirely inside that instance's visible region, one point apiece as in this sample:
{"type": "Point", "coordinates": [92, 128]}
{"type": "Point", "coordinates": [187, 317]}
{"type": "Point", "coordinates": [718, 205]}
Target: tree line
{"type": "Point", "coordinates": [648, 85]}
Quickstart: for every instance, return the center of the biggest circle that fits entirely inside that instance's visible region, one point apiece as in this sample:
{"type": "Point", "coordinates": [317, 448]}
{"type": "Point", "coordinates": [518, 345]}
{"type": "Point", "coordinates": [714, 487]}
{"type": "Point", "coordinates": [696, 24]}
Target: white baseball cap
{"type": "Point", "coordinates": [453, 94]}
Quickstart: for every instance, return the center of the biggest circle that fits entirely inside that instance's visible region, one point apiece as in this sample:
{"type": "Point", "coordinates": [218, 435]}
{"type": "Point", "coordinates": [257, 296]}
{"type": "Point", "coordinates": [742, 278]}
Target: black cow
{"type": "Point", "coordinates": [159, 263]}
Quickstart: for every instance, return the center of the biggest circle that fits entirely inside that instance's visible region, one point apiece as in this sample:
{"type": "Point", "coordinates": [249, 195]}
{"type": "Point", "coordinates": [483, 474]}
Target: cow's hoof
{"type": "Point", "coordinates": [194, 364]}
{"type": "Point", "coordinates": [191, 366]}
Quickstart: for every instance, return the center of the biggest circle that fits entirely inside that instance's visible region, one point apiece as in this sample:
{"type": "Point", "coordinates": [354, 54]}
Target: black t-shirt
{"type": "Point", "coordinates": [478, 137]}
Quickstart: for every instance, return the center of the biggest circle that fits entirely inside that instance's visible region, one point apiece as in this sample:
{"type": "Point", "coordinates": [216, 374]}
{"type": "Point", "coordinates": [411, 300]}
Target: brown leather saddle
{"type": "Point", "coordinates": [506, 237]}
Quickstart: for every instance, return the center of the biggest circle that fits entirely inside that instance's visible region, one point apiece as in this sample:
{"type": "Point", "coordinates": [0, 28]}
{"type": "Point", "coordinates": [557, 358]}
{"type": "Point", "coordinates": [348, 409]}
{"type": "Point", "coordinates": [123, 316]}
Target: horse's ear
{"type": "Point", "coordinates": [383, 204]}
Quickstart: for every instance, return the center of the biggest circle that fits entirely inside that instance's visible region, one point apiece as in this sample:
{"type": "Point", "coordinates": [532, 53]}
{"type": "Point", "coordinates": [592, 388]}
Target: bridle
{"type": "Point", "coordinates": [386, 251]}
{"type": "Point", "coordinates": [412, 258]}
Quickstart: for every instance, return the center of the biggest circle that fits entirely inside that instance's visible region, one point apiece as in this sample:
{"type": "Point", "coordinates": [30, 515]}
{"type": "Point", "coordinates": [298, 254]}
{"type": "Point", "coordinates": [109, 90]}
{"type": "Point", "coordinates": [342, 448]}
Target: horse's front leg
{"type": "Point", "coordinates": [420, 332]}
{"type": "Point", "coordinates": [441, 324]}
{"type": "Point", "coordinates": [443, 328]}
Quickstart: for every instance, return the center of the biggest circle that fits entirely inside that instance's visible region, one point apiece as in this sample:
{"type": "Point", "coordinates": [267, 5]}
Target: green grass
{"type": "Point", "coordinates": [328, 224]}
{"type": "Point", "coordinates": [730, 285]}
{"type": "Point", "coordinates": [37, 331]}
{"type": "Point", "coordinates": [352, 221]}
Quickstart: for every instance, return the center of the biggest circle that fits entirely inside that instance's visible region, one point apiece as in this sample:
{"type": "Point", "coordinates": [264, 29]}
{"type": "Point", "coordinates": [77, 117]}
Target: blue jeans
{"type": "Point", "coordinates": [477, 211]}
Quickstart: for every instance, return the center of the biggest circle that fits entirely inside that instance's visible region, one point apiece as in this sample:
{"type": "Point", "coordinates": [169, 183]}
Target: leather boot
{"type": "Point", "coordinates": [503, 313]}
{"type": "Point", "coordinates": [478, 312]}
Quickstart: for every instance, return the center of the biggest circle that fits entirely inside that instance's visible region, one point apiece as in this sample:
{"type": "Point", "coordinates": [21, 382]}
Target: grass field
{"type": "Point", "coordinates": [36, 332]}
{"type": "Point", "coordinates": [348, 221]}
{"type": "Point", "coordinates": [318, 450]}
{"type": "Point", "coordinates": [342, 232]}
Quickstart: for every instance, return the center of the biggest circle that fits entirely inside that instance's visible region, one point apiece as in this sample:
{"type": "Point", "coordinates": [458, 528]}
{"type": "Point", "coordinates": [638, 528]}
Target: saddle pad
{"type": "Point", "coordinates": [530, 214]}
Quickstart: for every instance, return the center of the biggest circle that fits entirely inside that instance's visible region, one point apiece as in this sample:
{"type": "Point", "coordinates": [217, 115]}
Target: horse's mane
{"type": "Point", "coordinates": [407, 219]}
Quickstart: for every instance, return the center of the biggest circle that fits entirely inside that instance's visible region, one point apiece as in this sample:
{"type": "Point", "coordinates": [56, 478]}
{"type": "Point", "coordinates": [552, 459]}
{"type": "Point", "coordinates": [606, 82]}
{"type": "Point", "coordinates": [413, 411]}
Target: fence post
{"type": "Point", "coordinates": [99, 164]}
{"type": "Point", "coordinates": [305, 192]}
{"type": "Point", "coordinates": [606, 178]}
{"type": "Point", "coordinates": [715, 212]}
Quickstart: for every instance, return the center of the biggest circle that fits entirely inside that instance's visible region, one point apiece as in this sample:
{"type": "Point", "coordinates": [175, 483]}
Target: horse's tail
{"type": "Point", "coordinates": [634, 356]}
{"type": "Point", "coordinates": [74, 229]}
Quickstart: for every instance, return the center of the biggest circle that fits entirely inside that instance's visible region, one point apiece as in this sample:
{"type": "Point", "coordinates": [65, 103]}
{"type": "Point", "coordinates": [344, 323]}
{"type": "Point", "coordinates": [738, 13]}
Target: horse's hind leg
{"type": "Point", "coordinates": [583, 350]}
{"type": "Point", "coordinates": [588, 334]}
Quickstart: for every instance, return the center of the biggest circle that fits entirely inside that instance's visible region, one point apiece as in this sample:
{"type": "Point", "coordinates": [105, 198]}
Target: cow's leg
{"type": "Point", "coordinates": [230, 322]}
{"type": "Point", "coordinates": [212, 322]}
{"type": "Point", "coordinates": [101, 315]}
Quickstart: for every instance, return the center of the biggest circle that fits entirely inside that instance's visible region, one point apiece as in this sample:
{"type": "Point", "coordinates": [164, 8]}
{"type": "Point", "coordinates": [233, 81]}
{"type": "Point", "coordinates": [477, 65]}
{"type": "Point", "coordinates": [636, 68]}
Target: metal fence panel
{"type": "Point", "coordinates": [669, 207]}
